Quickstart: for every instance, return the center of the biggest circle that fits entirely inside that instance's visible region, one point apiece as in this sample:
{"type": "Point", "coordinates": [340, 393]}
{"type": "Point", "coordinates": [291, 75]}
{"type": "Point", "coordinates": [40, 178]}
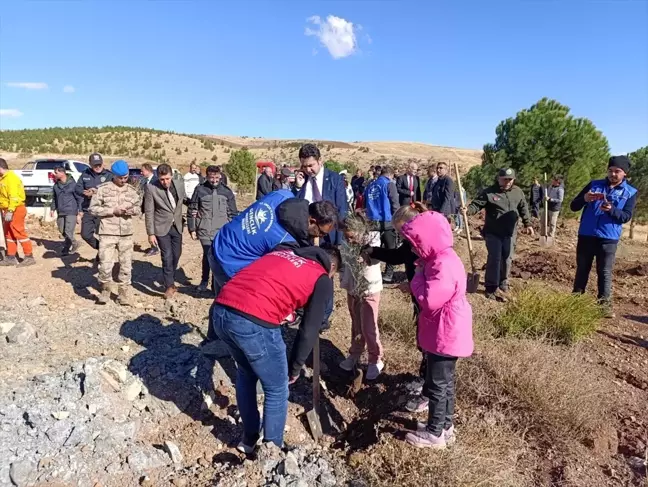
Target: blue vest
{"type": "Point", "coordinates": [251, 234]}
{"type": "Point", "coordinates": [377, 204]}
{"type": "Point", "coordinates": [598, 223]}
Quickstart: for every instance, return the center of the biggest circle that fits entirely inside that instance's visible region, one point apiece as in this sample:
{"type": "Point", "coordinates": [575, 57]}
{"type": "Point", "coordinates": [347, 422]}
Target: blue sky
{"type": "Point", "coordinates": [439, 72]}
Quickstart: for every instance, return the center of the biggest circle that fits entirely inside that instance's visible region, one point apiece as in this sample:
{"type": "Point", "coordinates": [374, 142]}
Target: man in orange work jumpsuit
{"type": "Point", "coordinates": [14, 211]}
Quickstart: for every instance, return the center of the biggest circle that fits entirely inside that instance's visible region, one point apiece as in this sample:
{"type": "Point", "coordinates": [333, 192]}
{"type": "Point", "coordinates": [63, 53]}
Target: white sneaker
{"type": "Point", "coordinates": [449, 435]}
{"type": "Point", "coordinates": [349, 363]}
{"type": "Point", "coordinates": [374, 370]}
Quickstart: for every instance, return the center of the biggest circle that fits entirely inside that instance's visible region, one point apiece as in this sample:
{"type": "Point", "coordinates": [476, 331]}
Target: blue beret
{"type": "Point", "coordinates": [119, 168]}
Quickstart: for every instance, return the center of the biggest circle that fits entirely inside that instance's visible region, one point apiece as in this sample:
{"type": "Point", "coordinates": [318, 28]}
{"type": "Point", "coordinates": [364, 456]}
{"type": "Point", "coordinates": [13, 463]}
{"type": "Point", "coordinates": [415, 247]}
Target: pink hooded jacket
{"type": "Point", "coordinates": [439, 286]}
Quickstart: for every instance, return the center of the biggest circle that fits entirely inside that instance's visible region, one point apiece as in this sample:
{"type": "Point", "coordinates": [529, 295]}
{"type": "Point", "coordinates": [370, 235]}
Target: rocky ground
{"type": "Point", "coordinates": [114, 396]}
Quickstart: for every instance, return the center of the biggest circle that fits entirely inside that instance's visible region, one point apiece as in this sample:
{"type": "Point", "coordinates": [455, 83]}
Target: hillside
{"type": "Point", "coordinates": [139, 145]}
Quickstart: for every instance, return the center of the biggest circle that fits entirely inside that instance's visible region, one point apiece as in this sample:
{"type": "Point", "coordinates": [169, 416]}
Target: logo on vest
{"type": "Point", "coordinates": [291, 257]}
{"type": "Point", "coordinates": [374, 192]}
{"type": "Point", "coordinates": [103, 179]}
{"type": "Point", "coordinates": [258, 219]}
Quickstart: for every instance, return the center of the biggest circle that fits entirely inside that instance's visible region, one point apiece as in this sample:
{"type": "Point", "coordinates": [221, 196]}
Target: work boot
{"type": "Point", "coordinates": [606, 307]}
{"type": "Point", "coordinates": [9, 261]}
{"type": "Point", "coordinates": [27, 261]}
{"type": "Point", "coordinates": [125, 297]}
{"type": "Point", "coordinates": [170, 292]}
{"type": "Point", "coordinates": [104, 297]}
{"type": "Point", "coordinates": [74, 247]}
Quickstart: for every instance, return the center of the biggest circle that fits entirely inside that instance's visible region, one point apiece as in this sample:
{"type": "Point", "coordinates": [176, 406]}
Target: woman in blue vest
{"type": "Point", "coordinates": [381, 202]}
{"type": "Point", "coordinates": [607, 204]}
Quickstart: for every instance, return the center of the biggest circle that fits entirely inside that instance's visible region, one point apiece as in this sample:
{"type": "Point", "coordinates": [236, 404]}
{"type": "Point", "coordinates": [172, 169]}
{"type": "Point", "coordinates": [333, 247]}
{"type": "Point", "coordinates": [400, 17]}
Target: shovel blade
{"type": "Point", "coordinates": [546, 241]}
{"type": "Point", "coordinates": [472, 283]}
{"type": "Point", "coordinates": [314, 424]}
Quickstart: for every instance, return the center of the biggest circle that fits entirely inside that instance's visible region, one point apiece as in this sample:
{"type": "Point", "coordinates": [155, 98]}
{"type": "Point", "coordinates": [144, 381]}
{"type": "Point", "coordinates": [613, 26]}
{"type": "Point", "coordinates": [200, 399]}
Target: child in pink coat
{"type": "Point", "coordinates": [445, 321]}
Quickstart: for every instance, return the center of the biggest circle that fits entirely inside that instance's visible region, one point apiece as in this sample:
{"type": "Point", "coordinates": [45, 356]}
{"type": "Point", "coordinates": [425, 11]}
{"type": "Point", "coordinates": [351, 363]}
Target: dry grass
{"type": "Point", "coordinates": [552, 384]}
{"type": "Point", "coordinates": [485, 455]}
{"type": "Point", "coordinates": [515, 397]}
{"type": "Point", "coordinates": [537, 312]}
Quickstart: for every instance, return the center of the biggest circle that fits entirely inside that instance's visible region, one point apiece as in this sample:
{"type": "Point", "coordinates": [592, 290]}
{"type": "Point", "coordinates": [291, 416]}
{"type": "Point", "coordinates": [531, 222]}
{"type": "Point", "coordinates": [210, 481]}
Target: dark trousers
{"type": "Point", "coordinates": [89, 226]}
{"type": "Point", "coordinates": [439, 388]}
{"type": "Point", "coordinates": [389, 239]}
{"type": "Point", "coordinates": [205, 263]}
{"type": "Point", "coordinates": [498, 263]}
{"type": "Point", "coordinates": [170, 250]}
{"type": "Point", "coordinates": [604, 250]}
{"type": "Point", "coordinates": [535, 210]}
{"type": "Point", "coordinates": [219, 279]}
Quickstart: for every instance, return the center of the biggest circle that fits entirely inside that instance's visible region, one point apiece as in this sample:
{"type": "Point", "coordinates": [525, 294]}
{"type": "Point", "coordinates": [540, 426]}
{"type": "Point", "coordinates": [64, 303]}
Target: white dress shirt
{"type": "Point", "coordinates": [308, 194]}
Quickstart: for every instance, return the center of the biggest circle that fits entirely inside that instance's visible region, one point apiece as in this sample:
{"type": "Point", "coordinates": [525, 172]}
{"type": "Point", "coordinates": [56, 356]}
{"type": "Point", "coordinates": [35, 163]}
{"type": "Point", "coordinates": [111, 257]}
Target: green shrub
{"type": "Point", "coordinates": [242, 170]}
{"type": "Point", "coordinates": [544, 313]}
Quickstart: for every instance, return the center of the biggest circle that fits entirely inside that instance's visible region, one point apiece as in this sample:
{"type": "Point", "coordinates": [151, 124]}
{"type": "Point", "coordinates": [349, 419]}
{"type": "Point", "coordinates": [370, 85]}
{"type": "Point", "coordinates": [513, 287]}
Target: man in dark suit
{"type": "Point", "coordinates": [443, 194]}
{"type": "Point", "coordinates": [265, 183]}
{"type": "Point", "coordinates": [322, 185]}
{"type": "Point", "coordinates": [409, 186]}
{"type": "Point", "coordinates": [163, 217]}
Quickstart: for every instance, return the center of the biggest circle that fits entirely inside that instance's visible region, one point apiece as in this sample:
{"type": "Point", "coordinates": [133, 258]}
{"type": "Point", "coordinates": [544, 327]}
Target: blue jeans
{"type": "Point", "coordinates": [260, 354]}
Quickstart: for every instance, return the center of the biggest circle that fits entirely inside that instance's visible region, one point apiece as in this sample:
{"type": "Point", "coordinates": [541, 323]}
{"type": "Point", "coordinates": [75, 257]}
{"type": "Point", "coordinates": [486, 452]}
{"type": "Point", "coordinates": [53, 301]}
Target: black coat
{"type": "Point", "coordinates": [404, 194]}
{"type": "Point", "coordinates": [265, 185]}
{"type": "Point", "coordinates": [443, 196]}
{"type": "Point", "coordinates": [65, 199]}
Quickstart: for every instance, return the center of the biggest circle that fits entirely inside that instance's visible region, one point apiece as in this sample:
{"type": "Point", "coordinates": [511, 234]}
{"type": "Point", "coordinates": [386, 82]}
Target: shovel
{"type": "Point", "coordinates": [472, 282]}
{"type": "Point", "coordinates": [313, 416]}
{"type": "Point", "coordinates": [546, 240]}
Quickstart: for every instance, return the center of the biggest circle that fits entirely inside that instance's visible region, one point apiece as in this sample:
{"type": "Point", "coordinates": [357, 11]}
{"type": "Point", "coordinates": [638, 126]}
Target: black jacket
{"type": "Point", "coordinates": [536, 195]}
{"type": "Point", "coordinates": [265, 185]}
{"type": "Point", "coordinates": [65, 199]}
{"type": "Point", "coordinates": [209, 209]}
{"type": "Point", "coordinates": [293, 216]}
{"type": "Point", "coordinates": [91, 180]}
{"type": "Point", "coordinates": [398, 256]}
{"type": "Point", "coordinates": [442, 198]}
{"type": "Point", "coordinates": [314, 311]}
{"type": "Point", "coordinates": [403, 189]}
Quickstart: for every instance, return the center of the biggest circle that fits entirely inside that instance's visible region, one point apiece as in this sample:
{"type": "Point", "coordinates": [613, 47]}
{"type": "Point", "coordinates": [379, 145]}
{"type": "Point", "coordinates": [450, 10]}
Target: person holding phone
{"type": "Point", "coordinates": [606, 205]}
{"type": "Point", "coordinates": [114, 205]}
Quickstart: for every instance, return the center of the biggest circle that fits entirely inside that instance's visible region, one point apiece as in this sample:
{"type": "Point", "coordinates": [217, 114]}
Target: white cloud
{"type": "Point", "coordinates": [10, 112]}
{"type": "Point", "coordinates": [336, 34]}
{"type": "Point", "coordinates": [68, 89]}
{"type": "Point", "coordinates": [28, 86]}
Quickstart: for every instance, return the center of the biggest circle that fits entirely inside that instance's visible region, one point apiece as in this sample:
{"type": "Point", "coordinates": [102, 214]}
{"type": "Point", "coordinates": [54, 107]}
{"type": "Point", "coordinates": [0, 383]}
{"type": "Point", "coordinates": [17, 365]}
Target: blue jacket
{"type": "Point", "coordinates": [277, 218]}
{"type": "Point", "coordinates": [598, 223]}
{"type": "Point", "coordinates": [379, 200]}
{"type": "Point", "coordinates": [333, 190]}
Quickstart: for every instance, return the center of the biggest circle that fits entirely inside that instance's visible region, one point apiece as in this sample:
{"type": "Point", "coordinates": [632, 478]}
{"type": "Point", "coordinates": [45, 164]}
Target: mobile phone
{"type": "Point", "coordinates": [597, 196]}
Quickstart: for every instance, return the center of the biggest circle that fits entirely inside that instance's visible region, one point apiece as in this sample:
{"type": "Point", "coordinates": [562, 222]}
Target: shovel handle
{"type": "Point", "coordinates": [464, 213]}
{"type": "Point", "coordinates": [316, 376]}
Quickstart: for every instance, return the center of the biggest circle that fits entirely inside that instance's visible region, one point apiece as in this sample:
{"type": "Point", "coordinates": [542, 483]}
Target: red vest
{"type": "Point", "coordinates": [272, 287]}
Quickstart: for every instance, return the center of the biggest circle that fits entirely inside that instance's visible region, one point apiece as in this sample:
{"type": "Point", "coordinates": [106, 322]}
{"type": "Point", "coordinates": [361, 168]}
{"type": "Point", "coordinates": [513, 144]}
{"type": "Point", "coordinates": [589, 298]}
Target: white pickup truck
{"type": "Point", "coordinates": [38, 177]}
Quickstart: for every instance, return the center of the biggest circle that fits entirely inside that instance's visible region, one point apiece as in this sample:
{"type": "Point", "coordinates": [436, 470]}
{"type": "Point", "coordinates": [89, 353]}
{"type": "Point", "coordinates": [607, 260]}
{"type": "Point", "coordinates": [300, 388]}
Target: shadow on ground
{"type": "Point", "coordinates": [178, 372]}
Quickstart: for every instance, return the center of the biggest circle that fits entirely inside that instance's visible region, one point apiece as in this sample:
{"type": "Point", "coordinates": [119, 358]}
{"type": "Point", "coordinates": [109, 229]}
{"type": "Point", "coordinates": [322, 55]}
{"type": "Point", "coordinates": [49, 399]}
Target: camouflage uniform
{"type": "Point", "coordinates": [116, 232]}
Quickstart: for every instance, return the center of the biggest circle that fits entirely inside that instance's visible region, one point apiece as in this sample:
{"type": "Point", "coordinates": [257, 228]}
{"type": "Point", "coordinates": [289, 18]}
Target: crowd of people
{"type": "Point", "coordinates": [274, 262]}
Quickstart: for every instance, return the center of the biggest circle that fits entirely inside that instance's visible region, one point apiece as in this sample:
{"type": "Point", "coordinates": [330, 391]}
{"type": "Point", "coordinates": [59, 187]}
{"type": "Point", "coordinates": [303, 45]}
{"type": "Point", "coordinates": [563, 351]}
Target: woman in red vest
{"type": "Point", "coordinates": [247, 316]}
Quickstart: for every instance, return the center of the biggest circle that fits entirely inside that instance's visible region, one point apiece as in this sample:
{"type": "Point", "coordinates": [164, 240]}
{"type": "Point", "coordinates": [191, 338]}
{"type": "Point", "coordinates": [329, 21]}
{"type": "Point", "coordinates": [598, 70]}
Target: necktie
{"type": "Point", "coordinates": [317, 195]}
{"type": "Point", "coordinates": [171, 199]}
{"type": "Point", "coordinates": [411, 183]}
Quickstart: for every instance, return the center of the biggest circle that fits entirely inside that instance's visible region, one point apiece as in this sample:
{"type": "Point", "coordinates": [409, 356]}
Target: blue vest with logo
{"type": "Point", "coordinates": [251, 234]}
{"type": "Point", "coordinates": [598, 223]}
{"type": "Point", "coordinates": [377, 204]}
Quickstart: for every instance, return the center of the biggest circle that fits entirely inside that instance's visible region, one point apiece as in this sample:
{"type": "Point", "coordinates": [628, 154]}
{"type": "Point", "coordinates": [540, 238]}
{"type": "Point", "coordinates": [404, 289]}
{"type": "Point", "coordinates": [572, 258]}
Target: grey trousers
{"type": "Point", "coordinates": [498, 264]}
{"type": "Point", "coordinates": [552, 221]}
{"type": "Point", "coordinates": [66, 225]}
